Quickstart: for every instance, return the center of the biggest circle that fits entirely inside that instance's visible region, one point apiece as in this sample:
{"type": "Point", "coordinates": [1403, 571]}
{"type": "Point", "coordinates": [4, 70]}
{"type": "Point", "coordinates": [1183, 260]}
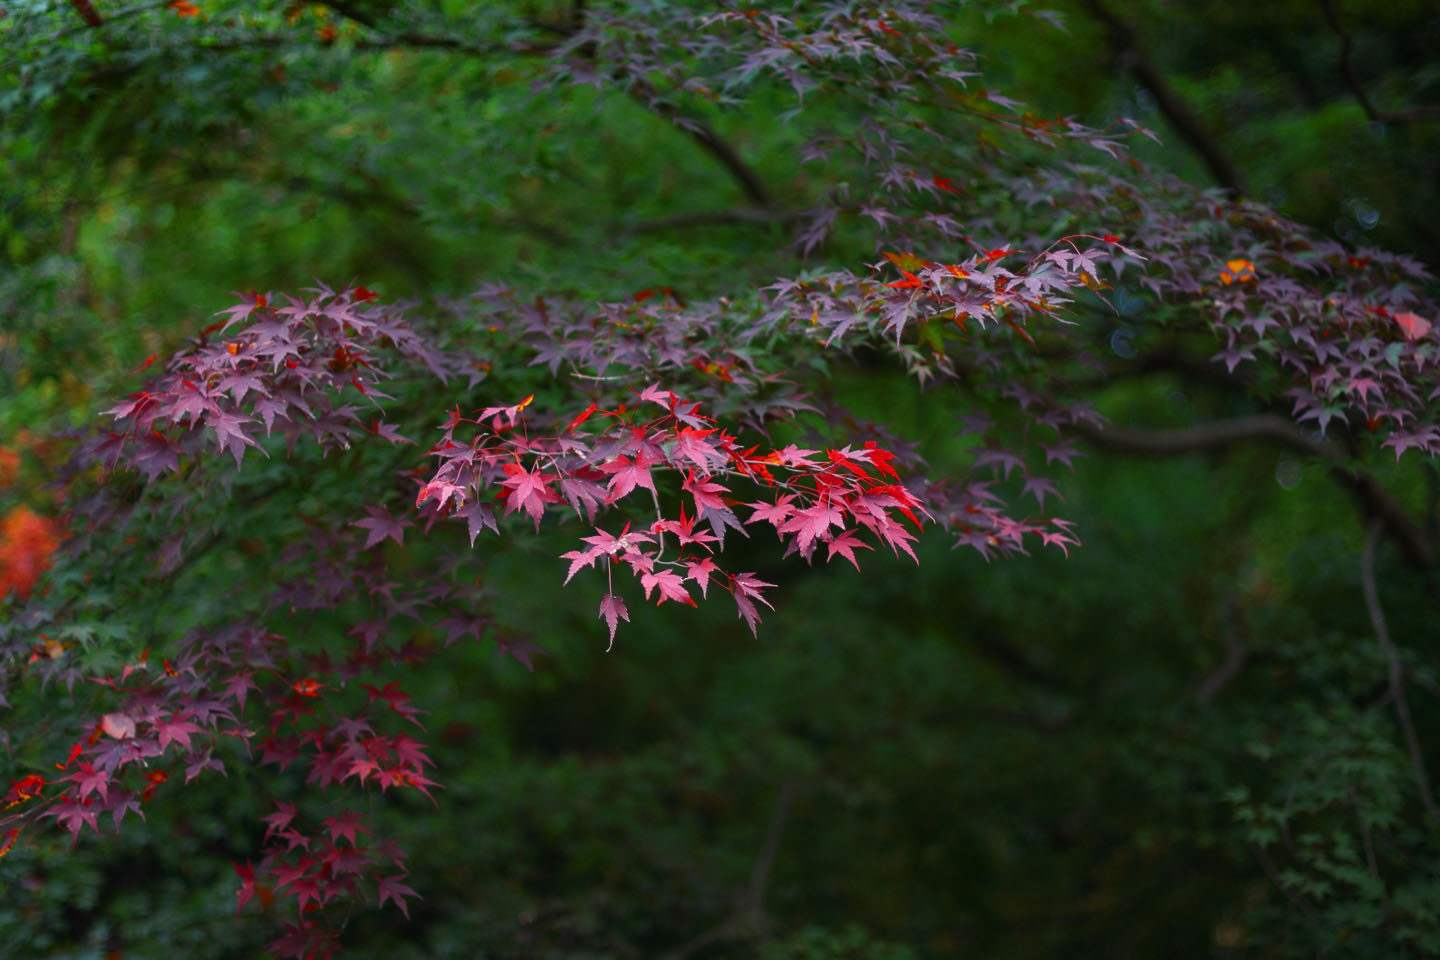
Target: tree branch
{"type": "Point", "coordinates": [707, 218]}
{"type": "Point", "coordinates": [640, 91]}
{"type": "Point", "coordinates": [748, 919]}
{"type": "Point", "coordinates": [1131, 54]}
{"type": "Point", "coordinates": [1347, 73]}
{"type": "Point", "coordinates": [1397, 668]}
{"type": "Point", "coordinates": [708, 140]}
{"type": "Point", "coordinates": [1373, 498]}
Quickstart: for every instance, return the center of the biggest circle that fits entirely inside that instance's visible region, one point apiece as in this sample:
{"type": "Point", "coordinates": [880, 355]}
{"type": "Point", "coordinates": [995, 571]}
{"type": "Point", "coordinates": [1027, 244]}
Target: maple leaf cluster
{"type": "Point", "coordinates": [657, 428]}
{"type": "Point", "coordinates": [814, 501]}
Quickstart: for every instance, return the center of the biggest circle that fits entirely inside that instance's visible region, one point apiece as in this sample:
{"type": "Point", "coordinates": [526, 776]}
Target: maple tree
{"type": "Point", "coordinates": [989, 252]}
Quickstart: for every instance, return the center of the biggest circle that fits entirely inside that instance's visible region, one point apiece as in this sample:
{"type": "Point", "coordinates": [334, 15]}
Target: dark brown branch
{"type": "Point", "coordinates": [1130, 53]}
{"type": "Point", "coordinates": [1015, 662]}
{"type": "Point", "coordinates": [87, 13]}
{"type": "Point", "coordinates": [1396, 667]}
{"type": "Point", "coordinates": [1373, 498]}
{"type": "Point", "coordinates": [710, 218]}
{"type": "Point", "coordinates": [710, 141]}
{"type": "Point", "coordinates": [1347, 73]}
{"type": "Point", "coordinates": [640, 91]}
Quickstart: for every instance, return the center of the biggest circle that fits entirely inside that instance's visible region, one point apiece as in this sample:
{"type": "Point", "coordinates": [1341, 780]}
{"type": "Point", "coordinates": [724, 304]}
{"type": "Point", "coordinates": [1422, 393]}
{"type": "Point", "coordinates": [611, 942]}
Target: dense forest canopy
{"type": "Point", "coordinates": [815, 480]}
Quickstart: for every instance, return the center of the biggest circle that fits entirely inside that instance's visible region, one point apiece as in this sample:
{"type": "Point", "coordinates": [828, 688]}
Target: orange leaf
{"type": "Point", "coordinates": [1237, 271]}
{"type": "Point", "coordinates": [307, 687]}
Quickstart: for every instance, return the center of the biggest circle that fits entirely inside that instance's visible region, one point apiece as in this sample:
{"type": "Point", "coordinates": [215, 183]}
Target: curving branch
{"type": "Point", "coordinates": [1130, 52]}
{"type": "Point", "coordinates": [1373, 498]}
{"type": "Point", "coordinates": [1347, 73]}
{"type": "Point", "coordinates": [639, 90]}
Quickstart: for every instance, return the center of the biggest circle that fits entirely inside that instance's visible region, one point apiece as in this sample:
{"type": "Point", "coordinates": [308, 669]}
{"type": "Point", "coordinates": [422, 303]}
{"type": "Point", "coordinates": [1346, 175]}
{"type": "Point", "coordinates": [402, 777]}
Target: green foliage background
{"type": "Point", "coordinates": [1012, 760]}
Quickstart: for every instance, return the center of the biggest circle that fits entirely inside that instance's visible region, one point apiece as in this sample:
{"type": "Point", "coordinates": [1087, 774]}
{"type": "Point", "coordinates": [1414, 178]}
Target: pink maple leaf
{"type": "Point", "coordinates": [745, 588]}
{"type": "Point", "coordinates": [775, 513]}
{"type": "Point", "coordinates": [612, 610]}
{"type": "Point", "coordinates": [845, 545]}
{"type": "Point", "coordinates": [670, 584]}
{"type": "Point", "coordinates": [699, 571]}
{"type": "Point", "coordinates": [812, 522]}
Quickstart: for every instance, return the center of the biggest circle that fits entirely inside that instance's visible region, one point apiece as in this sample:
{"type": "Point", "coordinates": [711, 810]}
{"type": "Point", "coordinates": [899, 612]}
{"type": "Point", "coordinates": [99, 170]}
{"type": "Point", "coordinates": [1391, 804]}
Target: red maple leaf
{"type": "Point", "coordinates": [670, 584]}
{"type": "Point", "coordinates": [344, 825]}
{"type": "Point", "coordinates": [745, 588]}
{"type": "Point", "coordinates": [706, 493]}
{"type": "Point", "coordinates": [629, 474]}
{"type": "Point", "coordinates": [528, 491]}
{"type": "Point", "coordinates": [175, 731]}
{"type": "Point", "coordinates": [812, 522]}
{"type": "Point", "coordinates": [391, 888]}
{"type": "Point", "coordinates": [88, 780]}
{"type": "Point", "coordinates": [845, 545]}
{"type": "Point", "coordinates": [247, 885]}
{"type": "Point", "coordinates": [280, 819]}
{"type": "Point", "coordinates": [699, 571]}
{"type": "Point", "coordinates": [581, 418]}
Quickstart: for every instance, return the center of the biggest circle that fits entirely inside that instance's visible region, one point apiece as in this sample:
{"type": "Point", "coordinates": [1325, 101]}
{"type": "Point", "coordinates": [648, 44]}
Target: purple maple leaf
{"type": "Point", "coordinates": [382, 525]}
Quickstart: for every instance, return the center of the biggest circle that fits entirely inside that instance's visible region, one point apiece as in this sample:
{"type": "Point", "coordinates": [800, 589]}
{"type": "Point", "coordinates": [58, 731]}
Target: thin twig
{"type": "Point", "coordinates": [747, 921]}
{"type": "Point", "coordinates": [1236, 656]}
{"type": "Point", "coordinates": [1131, 54]}
{"type": "Point", "coordinates": [1273, 873]}
{"type": "Point", "coordinates": [760, 875]}
{"type": "Point", "coordinates": [1397, 669]}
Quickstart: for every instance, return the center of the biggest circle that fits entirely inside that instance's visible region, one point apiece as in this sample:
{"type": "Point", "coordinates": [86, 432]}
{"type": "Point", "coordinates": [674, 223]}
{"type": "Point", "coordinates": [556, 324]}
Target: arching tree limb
{"type": "Point", "coordinates": [1373, 498]}
{"type": "Point", "coordinates": [1347, 73]}
{"type": "Point", "coordinates": [1131, 54]}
